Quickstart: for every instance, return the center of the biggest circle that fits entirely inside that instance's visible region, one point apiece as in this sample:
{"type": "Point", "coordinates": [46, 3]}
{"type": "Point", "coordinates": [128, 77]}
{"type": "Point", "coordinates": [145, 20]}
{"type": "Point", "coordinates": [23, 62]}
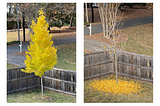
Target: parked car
{"type": "Point", "coordinates": [95, 5]}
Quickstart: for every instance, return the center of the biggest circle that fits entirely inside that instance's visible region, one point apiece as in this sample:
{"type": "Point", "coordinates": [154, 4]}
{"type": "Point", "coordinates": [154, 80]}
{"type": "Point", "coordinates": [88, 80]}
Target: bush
{"type": "Point", "coordinates": [13, 24]}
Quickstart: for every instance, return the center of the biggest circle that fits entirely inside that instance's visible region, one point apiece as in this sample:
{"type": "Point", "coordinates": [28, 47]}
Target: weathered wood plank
{"type": "Point", "coordinates": [59, 91]}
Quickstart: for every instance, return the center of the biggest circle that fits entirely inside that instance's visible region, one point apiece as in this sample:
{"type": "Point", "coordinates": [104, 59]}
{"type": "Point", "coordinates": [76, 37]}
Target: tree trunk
{"type": "Point", "coordinates": [23, 27]}
{"type": "Point", "coordinates": [70, 24]}
{"type": "Point", "coordinates": [115, 60]}
{"type": "Point", "coordinates": [86, 12]}
{"type": "Point", "coordinates": [49, 22]}
{"type": "Point", "coordinates": [92, 13]}
{"type": "Point", "coordinates": [42, 86]}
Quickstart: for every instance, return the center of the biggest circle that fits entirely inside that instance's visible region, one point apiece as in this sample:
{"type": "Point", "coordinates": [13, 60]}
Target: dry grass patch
{"type": "Point", "coordinates": [140, 39]}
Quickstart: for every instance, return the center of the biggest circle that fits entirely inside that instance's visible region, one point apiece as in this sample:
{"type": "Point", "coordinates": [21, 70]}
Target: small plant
{"type": "Point", "coordinates": [86, 23]}
{"type": "Point", "coordinates": [42, 55]}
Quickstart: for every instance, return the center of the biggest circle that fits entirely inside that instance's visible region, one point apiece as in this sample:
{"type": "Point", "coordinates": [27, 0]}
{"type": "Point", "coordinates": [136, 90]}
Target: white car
{"type": "Point", "coordinates": [94, 5]}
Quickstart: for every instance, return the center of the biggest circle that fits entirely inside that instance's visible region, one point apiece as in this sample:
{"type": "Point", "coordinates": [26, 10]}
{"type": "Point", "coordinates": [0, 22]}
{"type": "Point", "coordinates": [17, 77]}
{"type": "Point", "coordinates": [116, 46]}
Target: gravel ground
{"type": "Point", "coordinates": [94, 45]}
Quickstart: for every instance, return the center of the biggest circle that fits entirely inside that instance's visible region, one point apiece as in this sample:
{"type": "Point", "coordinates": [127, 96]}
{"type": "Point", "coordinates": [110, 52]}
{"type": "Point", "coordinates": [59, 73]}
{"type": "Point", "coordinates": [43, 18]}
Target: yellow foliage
{"type": "Point", "coordinates": [123, 87]}
{"type": "Point", "coordinates": [42, 55]}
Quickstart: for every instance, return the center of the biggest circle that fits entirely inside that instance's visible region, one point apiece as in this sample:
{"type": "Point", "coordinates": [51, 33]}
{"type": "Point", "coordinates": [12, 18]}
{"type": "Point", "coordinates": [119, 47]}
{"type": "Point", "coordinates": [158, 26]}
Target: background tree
{"type": "Point", "coordinates": [108, 16]}
{"type": "Point", "coordinates": [42, 55]}
{"type": "Point", "coordinates": [86, 12]}
{"type": "Point", "coordinates": [54, 12]}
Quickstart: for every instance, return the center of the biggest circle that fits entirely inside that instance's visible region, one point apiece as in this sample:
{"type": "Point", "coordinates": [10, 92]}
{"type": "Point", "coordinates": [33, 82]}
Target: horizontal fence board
{"type": "Point", "coordinates": [54, 79]}
{"type": "Point", "coordinates": [97, 75]}
{"type": "Point", "coordinates": [126, 64]}
{"type": "Point", "coordinates": [144, 79]}
{"type": "Point", "coordinates": [22, 89]}
{"type": "Point", "coordinates": [22, 78]}
{"type": "Point", "coordinates": [61, 91]}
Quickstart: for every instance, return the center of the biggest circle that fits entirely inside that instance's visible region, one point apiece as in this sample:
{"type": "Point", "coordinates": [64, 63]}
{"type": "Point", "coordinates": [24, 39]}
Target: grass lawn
{"type": "Point", "coordinates": [35, 97]}
{"type": "Point", "coordinates": [113, 93]}
{"type": "Point", "coordinates": [66, 55]}
{"type": "Point", "coordinates": [140, 39]}
{"type": "Point", "coordinates": [13, 36]}
{"type": "Point", "coordinates": [10, 66]}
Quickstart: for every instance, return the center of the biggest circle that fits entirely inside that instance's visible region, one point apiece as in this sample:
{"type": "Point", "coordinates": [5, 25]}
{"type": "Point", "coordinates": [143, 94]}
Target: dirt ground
{"type": "Point", "coordinates": [99, 37]}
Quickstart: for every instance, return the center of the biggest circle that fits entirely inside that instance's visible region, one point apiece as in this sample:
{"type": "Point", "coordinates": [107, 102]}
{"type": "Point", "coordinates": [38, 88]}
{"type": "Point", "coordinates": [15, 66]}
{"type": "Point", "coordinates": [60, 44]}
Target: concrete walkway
{"type": "Point", "coordinates": [94, 45]}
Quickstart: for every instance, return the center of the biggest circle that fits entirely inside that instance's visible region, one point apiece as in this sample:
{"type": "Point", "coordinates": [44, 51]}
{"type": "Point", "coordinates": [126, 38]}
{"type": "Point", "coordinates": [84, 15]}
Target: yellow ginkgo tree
{"type": "Point", "coordinates": [112, 48]}
{"type": "Point", "coordinates": [41, 55]}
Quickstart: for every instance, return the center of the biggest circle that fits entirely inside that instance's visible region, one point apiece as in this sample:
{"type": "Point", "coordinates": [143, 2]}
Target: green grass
{"type": "Point", "coordinates": [35, 97]}
{"type": "Point", "coordinates": [13, 42]}
{"type": "Point", "coordinates": [66, 56]}
{"type": "Point", "coordinates": [140, 39]}
{"type": "Point", "coordinates": [10, 66]}
{"type": "Point", "coordinates": [86, 23]}
{"type": "Point", "coordinates": [93, 96]}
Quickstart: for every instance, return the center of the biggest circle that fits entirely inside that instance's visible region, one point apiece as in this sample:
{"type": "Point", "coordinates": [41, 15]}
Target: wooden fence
{"type": "Point", "coordinates": [99, 64]}
{"type": "Point", "coordinates": [59, 80]}
{"type": "Point", "coordinates": [19, 81]}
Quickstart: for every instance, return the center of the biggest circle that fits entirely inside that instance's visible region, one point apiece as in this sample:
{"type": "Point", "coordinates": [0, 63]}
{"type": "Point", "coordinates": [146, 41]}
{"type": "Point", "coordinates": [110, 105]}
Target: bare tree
{"type": "Point", "coordinates": [108, 16]}
{"type": "Point", "coordinates": [111, 26]}
{"type": "Point", "coordinates": [72, 15]}
{"type": "Point", "coordinates": [86, 12]}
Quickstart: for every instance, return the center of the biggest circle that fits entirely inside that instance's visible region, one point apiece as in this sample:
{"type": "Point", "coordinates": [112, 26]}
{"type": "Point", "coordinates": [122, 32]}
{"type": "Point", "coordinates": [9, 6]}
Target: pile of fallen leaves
{"type": "Point", "coordinates": [124, 87]}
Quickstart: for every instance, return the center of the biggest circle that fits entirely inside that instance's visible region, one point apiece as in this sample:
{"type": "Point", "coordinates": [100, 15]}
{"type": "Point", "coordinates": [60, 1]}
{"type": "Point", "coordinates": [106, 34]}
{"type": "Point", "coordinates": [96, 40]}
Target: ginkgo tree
{"type": "Point", "coordinates": [41, 55]}
{"type": "Point", "coordinates": [111, 29]}
{"type": "Point", "coordinates": [112, 48]}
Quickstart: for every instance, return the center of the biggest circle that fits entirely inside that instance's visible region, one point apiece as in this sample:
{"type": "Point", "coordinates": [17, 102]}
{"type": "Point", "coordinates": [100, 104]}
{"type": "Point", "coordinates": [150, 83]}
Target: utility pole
{"type": "Point", "coordinates": [18, 23]}
{"type": "Point", "coordinates": [92, 12]}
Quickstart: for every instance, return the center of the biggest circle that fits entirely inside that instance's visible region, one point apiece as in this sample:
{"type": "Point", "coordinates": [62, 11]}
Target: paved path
{"type": "Point", "coordinates": [127, 23]}
{"type": "Point", "coordinates": [15, 48]}
{"type": "Point", "coordinates": [93, 45]}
